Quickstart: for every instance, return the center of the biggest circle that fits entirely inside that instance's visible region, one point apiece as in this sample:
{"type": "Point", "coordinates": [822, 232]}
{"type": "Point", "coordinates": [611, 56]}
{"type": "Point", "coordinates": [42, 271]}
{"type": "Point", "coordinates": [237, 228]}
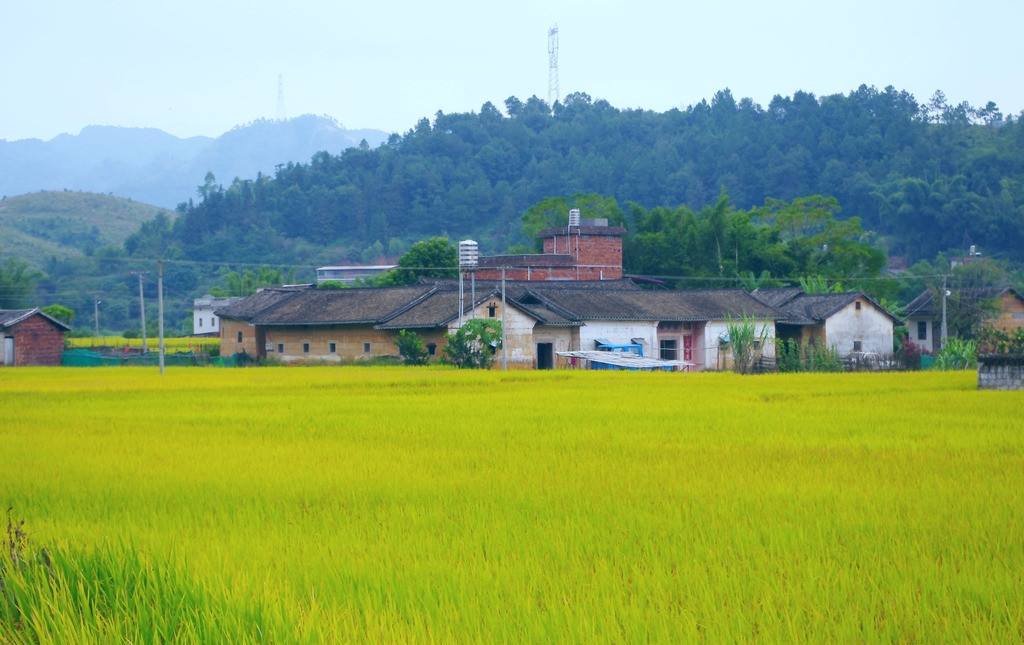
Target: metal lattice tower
{"type": "Point", "coordinates": [553, 95]}
{"type": "Point", "coordinates": [281, 113]}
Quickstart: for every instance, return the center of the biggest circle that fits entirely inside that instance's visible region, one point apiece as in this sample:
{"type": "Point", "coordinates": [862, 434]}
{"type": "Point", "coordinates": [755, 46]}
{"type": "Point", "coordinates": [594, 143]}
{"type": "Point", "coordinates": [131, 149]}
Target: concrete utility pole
{"type": "Point", "coordinates": [504, 345]}
{"type": "Point", "coordinates": [142, 311]}
{"type": "Point", "coordinates": [96, 316]}
{"type": "Point", "coordinates": [160, 311]}
{"type": "Point", "coordinates": [943, 331]}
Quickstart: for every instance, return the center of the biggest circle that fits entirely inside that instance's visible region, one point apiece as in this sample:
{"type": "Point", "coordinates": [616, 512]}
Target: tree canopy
{"type": "Point", "coordinates": [926, 177]}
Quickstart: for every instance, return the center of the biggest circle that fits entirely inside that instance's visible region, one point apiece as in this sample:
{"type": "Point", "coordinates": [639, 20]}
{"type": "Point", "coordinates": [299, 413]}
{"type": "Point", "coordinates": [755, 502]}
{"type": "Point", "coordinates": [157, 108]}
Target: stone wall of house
{"type": "Point", "coordinates": [1001, 372]}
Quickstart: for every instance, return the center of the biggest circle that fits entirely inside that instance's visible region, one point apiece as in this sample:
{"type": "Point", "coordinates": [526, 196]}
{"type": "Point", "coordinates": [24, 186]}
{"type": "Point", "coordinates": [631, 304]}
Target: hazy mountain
{"type": "Point", "coordinates": [38, 226]}
{"type": "Point", "coordinates": [153, 166]}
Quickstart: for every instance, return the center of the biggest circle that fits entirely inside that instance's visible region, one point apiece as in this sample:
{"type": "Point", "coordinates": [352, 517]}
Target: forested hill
{"type": "Point", "coordinates": [927, 178]}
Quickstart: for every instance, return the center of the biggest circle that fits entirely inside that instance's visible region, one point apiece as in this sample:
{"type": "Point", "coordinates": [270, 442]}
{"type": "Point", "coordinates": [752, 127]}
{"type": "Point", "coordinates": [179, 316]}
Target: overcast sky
{"type": "Point", "coordinates": [200, 67]}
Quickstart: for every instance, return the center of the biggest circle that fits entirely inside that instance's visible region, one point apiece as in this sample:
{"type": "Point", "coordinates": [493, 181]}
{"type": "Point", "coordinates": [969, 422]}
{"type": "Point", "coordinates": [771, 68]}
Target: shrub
{"type": "Point", "coordinates": [473, 344]}
{"type": "Point", "coordinates": [744, 341]}
{"type": "Point", "coordinates": [957, 354]}
{"type": "Point", "coordinates": [411, 348]}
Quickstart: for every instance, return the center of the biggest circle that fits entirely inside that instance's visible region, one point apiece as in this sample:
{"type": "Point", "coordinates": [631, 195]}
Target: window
{"type": "Point", "coordinates": [856, 305]}
{"type": "Point", "coordinates": [669, 349]}
{"type": "Point", "coordinates": [492, 311]}
{"type": "Point", "coordinates": [332, 347]}
{"type": "Point", "coordinates": [431, 349]}
{"type": "Point", "coordinates": [280, 348]}
{"type": "Point", "coordinates": [857, 346]}
{"type": "Point", "coordinates": [305, 348]}
{"type": "Point", "coordinates": [922, 330]}
{"type": "Point", "coordinates": [213, 321]}
{"type": "Point", "coordinates": [239, 336]}
{"type": "Point", "coordinates": [366, 348]}
{"type": "Point", "coordinates": [200, 323]}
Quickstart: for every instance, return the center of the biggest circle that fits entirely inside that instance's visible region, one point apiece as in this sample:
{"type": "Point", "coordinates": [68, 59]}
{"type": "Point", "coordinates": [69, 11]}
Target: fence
{"type": "Point", "coordinates": [91, 358]}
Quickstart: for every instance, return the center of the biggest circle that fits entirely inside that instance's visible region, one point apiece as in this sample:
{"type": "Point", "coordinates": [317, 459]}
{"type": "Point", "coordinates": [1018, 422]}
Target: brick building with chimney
{"type": "Point", "coordinates": [581, 250]}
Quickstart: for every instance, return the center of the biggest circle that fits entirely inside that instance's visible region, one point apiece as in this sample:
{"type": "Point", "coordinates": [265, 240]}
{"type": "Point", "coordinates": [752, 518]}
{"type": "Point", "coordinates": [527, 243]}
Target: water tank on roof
{"type": "Point", "coordinates": [574, 217]}
{"type": "Point", "coordinates": [469, 254]}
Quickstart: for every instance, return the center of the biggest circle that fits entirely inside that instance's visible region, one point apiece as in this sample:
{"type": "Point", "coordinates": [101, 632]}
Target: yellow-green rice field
{"type": "Point", "coordinates": [429, 505]}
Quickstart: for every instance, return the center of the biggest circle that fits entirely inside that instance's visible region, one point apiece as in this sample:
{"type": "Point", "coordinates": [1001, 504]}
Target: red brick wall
{"type": "Point", "coordinates": [37, 341]}
{"type": "Point", "coordinates": [599, 255]}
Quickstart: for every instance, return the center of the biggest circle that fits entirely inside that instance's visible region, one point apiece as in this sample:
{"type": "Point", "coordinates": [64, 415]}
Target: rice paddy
{"type": "Point", "coordinates": [433, 505]}
{"type": "Point", "coordinates": [177, 344]}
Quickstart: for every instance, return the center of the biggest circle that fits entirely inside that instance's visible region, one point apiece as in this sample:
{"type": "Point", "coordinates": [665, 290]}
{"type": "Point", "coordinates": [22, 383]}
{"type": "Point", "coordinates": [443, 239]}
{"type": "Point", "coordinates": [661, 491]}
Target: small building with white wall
{"type": "Point", "coordinates": [205, 321]}
{"type": "Point", "coordinates": [850, 323]}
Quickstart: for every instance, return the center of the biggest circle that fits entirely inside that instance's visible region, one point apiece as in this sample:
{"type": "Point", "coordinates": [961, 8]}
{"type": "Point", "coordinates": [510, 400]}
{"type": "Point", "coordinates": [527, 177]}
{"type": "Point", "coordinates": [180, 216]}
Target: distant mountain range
{"type": "Point", "coordinates": [150, 165]}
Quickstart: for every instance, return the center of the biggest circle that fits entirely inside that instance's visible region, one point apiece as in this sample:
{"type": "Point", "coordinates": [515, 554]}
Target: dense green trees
{"type": "Point", "coordinates": [927, 178]}
{"type": "Point", "coordinates": [790, 240]}
{"type": "Point", "coordinates": [17, 283]}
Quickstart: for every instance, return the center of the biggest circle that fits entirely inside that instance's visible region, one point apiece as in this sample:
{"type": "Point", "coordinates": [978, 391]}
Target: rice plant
{"type": "Point", "coordinates": [439, 505]}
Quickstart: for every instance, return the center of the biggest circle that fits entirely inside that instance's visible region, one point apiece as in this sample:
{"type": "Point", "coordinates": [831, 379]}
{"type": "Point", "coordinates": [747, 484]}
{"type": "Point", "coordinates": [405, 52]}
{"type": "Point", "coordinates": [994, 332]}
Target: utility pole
{"type": "Point", "coordinates": [504, 345]}
{"type": "Point", "coordinates": [96, 316]}
{"type": "Point", "coordinates": [142, 311]}
{"type": "Point", "coordinates": [160, 310]}
{"type": "Point", "coordinates": [944, 331]}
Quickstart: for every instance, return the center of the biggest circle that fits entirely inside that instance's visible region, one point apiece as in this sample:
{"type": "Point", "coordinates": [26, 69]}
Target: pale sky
{"type": "Point", "coordinates": [200, 67]}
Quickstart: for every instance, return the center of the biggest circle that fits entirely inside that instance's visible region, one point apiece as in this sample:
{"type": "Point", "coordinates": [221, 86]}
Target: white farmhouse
{"type": "Point", "coordinates": [850, 323]}
{"type": "Point", "coordinates": [204, 321]}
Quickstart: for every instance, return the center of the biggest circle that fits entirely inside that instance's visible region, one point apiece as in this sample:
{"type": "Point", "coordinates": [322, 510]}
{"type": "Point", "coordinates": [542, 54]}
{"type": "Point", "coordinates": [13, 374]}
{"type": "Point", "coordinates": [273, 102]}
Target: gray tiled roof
{"type": "Point", "coordinates": [341, 306]}
{"type": "Point", "coordinates": [11, 317]}
{"type": "Point", "coordinates": [669, 306]}
{"type": "Point", "coordinates": [801, 308]}
{"type": "Point", "coordinates": [251, 306]}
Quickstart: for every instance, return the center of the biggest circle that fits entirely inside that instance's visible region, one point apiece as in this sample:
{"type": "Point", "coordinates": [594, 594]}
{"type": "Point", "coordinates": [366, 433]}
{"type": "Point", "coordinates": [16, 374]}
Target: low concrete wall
{"type": "Point", "coordinates": [1001, 372]}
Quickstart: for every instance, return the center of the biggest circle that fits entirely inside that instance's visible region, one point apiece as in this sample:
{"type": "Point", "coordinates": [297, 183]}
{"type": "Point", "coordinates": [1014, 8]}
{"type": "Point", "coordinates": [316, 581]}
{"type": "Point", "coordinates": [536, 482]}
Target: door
{"type": "Point", "coordinates": [8, 351]}
{"type": "Point", "coordinates": [545, 356]}
{"type": "Point", "coordinates": [688, 347]}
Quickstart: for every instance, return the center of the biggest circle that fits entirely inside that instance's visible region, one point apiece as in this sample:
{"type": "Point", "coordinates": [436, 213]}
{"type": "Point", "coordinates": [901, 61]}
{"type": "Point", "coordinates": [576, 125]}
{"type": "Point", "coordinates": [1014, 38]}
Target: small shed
{"type": "Point", "coordinates": [30, 337]}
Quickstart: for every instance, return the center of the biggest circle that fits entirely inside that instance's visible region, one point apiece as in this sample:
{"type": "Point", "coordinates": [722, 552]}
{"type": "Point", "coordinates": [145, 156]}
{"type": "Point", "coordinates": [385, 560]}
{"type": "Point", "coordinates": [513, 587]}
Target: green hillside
{"type": "Point", "coordinates": [37, 226]}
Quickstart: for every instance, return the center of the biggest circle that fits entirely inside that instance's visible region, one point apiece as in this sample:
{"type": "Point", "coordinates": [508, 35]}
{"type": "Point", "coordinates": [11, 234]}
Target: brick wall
{"type": "Point", "coordinates": [229, 343]}
{"type": "Point", "coordinates": [599, 255]}
{"type": "Point", "coordinates": [37, 341]}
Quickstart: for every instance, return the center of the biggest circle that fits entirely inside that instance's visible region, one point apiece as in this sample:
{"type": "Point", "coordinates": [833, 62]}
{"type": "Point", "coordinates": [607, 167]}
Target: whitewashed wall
{"type": "Point", "coordinates": [620, 332]}
{"type": "Point", "coordinates": [928, 343]}
{"type": "Point", "coordinates": [715, 329]}
{"type": "Point", "coordinates": [210, 322]}
{"type": "Point", "coordinates": [868, 325]}
{"type": "Point", "coordinates": [518, 331]}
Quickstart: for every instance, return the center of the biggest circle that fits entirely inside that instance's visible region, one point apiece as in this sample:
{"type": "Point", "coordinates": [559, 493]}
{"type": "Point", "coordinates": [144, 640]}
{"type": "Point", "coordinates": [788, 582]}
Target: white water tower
{"type": "Point", "coordinates": [469, 258]}
{"type": "Point", "coordinates": [469, 254]}
{"type": "Point", "coordinates": [574, 217]}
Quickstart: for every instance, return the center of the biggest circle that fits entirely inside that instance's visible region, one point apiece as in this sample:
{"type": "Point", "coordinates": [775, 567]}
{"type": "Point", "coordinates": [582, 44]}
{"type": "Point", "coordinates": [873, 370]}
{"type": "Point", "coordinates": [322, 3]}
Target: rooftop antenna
{"type": "Point", "coordinates": [281, 114]}
{"type": "Point", "coordinates": [553, 95]}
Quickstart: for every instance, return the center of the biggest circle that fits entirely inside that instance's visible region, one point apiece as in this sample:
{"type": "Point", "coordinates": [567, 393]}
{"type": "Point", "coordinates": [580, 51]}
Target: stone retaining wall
{"type": "Point", "coordinates": [1001, 372]}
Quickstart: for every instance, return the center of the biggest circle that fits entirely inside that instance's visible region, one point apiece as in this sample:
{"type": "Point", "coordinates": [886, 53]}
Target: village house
{"type": "Point", "coordinates": [924, 313]}
{"type": "Point", "coordinates": [541, 320]}
{"type": "Point", "coordinates": [848, 323]}
{"type": "Point", "coordinates": [30, 337]}
{"type": "Point", "coordinates": [204, 321]}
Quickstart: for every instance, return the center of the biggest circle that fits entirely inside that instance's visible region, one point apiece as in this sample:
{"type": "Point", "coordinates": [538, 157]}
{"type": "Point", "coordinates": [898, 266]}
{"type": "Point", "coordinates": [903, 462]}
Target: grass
{"type": "Point", "coordinates": [179, 344]}
{"type": "Point", "coordinates": [419, 505]}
